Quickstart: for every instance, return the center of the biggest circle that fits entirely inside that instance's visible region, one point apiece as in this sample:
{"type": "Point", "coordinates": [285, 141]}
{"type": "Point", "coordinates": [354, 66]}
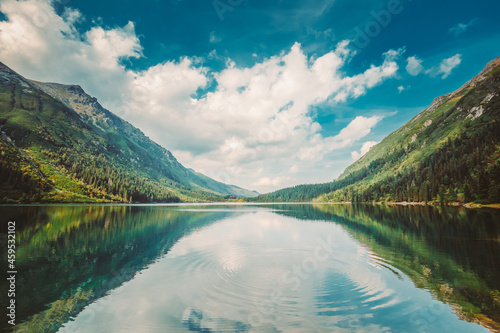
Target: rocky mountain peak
{"type": "Point", "coordinates": [73, 88]}
{"type": "Point", "coordinates": [479, 77]}
{"type": "Point", "coordinates": [74, 97]}
{"type": "Point", "coordinates": [438, 101]}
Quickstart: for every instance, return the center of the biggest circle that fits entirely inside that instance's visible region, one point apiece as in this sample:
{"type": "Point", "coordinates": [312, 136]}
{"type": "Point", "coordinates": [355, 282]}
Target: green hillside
{"type": "Point", "coordinates": [450, 152]}
{"type": "Point", "coordinates": [58, 144]}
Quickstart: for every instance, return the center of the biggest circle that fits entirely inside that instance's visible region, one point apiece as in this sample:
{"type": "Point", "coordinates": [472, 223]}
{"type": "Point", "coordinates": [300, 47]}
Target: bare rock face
{"type": "Point", "coordinates": [74, 97]}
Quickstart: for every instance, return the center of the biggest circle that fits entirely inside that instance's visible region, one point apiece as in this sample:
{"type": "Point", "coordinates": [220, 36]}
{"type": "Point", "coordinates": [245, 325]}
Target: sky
{"type": "Point", "coordinates": [260, 94]}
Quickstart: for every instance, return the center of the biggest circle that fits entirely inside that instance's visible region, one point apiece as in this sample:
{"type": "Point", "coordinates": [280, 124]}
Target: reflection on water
{"type": "Point", "coordinates": [453, 252]}
{"type": "Point", "coordinates": [280, 268]}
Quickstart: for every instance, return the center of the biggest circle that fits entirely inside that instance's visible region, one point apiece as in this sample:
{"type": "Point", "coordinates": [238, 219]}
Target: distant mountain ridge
{"type": "Point", "coordinates": [60, 144]}
{"type": "Point", "coordinates": [450, 152]}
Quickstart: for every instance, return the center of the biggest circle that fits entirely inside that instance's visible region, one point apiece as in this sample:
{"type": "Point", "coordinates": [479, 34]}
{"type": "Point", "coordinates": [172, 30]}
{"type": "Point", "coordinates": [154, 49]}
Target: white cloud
{"type": "Point", "coordinates": [357, 129]}
{"type": "Point", "coordinates": [248, 130]}
{"type": "Point", "coordinates": [108, 46]}
{"type": "Point", "coordinates": [414, 66]}
{"type": "Point", "coordinates": [445, 67]}
{"type": "Point", "coordinates": [460, 28]}
{"type": "Point", "coordinates": [401, 89]}
{"type": "Point", "coordinates": [365, 148]}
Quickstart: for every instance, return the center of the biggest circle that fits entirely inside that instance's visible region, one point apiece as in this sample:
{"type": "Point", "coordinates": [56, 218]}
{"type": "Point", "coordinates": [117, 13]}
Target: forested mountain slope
{"type": "Point", "coordinates": [450, 152]}
{"type": "Point", "coordinates": [58, 144]}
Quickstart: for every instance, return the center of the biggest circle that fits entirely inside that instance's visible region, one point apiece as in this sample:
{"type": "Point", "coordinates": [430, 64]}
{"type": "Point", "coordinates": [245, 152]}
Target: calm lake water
{"type": "Point", "coordinates": [254, 268]}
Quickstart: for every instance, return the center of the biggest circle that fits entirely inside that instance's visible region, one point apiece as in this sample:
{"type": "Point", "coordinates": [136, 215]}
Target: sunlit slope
{"type": "Point", "coordinates": [448, 152]}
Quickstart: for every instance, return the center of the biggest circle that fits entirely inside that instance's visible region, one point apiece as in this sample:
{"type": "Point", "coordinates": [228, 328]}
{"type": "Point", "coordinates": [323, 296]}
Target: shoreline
{"type": "Point", "coordinates": [455, 204]}
{"type": "Point", "coordinates": [236, 203]}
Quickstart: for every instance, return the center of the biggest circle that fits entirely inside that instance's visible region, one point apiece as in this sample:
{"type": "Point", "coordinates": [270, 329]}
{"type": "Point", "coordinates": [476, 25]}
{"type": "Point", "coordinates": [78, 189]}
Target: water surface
{"type": "Point", "coordinates": [274, 268]}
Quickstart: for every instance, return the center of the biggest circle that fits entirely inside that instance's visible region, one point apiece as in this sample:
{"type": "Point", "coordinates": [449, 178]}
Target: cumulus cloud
{"type": "Point", "coordinates": [243, 125]}
{"type": "Point", "coordinates": [257, 122]}
{"type": "Point", "coordinates": [445, 67]}
{"type": "Point", "coordinates": [401, 89]}
{"type": "Point", "coordinates": [365, 148]}
{"type": "Point", "coordinates": [414, 66]}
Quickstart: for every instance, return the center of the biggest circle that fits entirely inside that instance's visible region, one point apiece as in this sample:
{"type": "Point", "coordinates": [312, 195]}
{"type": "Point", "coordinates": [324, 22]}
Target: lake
{"type": "Point", "coordinates": [254, 268]}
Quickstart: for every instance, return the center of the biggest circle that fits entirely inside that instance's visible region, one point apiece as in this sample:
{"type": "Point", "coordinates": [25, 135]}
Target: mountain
{"type": "Point", "coordinates": [450, 152]}
{"type": "Point", "coordinates": [59, 144]}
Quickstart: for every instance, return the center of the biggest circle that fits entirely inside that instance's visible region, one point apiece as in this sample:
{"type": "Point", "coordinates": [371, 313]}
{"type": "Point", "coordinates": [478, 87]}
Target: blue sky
{"type": "Point", "coordinates": [261, 94]}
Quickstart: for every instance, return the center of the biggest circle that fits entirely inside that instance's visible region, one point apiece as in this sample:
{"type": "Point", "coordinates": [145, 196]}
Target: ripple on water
{"type": "Point", "coordinates": [239, 277]}
{"type": "Point", "coordinates": [337, 289]}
